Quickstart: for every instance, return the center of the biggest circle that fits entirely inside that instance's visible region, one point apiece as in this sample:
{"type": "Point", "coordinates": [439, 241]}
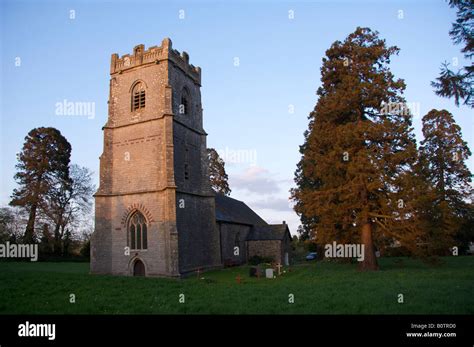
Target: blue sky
{"type": "Point", "coordinates": [258, 108]}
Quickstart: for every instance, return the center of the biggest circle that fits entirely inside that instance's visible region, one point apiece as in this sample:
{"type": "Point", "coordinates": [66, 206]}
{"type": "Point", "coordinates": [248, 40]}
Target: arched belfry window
{"type": "Point", "coordinates": [137, 231]}
{"type": "Point", "coordinates": [138, 96]}
{"type": "Point", "coordinates": [185, 104]}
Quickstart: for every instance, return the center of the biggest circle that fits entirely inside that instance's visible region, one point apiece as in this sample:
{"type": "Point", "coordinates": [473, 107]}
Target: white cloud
{"type": "Point", "coordinates": [273, 203]}
{"type": "Point", "coordinates": [254, 179]}
{"type": "Point", "coordinates": [266, 194]}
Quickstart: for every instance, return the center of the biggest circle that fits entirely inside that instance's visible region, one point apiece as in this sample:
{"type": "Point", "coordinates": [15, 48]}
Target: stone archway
{"type": "Point", "coordinates": [138, 268]}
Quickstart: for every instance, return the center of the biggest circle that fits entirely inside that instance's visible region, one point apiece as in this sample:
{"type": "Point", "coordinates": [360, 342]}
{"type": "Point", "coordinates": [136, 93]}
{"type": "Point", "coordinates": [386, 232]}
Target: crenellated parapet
{"type": "Point", "coordinates": [155, 55]}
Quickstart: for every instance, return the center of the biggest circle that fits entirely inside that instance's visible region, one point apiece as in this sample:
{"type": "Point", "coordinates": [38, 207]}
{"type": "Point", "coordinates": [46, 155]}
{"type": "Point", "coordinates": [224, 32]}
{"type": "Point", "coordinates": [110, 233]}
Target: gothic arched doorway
{"type": "Point", "coordinates": [138, 268]}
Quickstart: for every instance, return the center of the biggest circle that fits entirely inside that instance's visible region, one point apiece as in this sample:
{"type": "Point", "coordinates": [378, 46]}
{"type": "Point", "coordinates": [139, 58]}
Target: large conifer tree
{"type": "Point", "coordinates": [459, 84]}
{"type": "Point", "coordinates": [354, 174]}
{"type": "Point", "coordinates": [442, 156]}
{"type": "Point", "coordinates": [42, 164]}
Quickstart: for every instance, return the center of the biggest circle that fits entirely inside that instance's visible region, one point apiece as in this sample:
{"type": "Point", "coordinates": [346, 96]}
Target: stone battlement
{"type": "Point", "coordinates": [154, 55]}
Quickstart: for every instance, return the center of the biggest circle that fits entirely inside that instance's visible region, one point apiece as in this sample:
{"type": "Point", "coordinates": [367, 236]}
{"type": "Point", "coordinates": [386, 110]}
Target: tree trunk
{"type": "Point", "coordinates": [29, 236]}
{"type": "Point", "coordinates": [30, 226]}
{"type": "Point", "coordinates": [57, 239]}
{"type": "Point", "coordinates": [61, 240]}
{"type": "Point", "coordinates": [370, 260]}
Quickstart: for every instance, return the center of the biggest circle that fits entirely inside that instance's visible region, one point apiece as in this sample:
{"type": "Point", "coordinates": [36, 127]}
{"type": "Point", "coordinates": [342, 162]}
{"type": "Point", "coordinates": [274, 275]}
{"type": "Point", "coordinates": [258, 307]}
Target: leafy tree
{"type": "Point", "coordinates": [359, 150]}
{"type": "Point", "coordinates": [46, 246]}
{"type": "Point", "coordinates": [6, 218]}
{"type": "Point", "coordinates": [459, 85]}
{"type": "Point", "coordinates": [86, 249]}
{"type": "Point", "coordinates": [12, 224]}
{"type": "Point", "coordinates": [217, 174]}
{"type": "Point", "coordinates": [303, 234]}
{"type": "Point", "coordinates": [67, 242]}
{"type": "Point", "coordinates": [66, 202]}
{"type": "Point", "coordinates": [43, 161]}
{"type": "Point", "coordinates": [465, 233]}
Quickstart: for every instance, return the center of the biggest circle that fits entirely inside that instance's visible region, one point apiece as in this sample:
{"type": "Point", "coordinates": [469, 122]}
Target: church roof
{"type": "Point", "coordinates": [268, 232]}
{"type": "Point", "coordinates": [234, 211]}
{"type": "Point", "coordinates": [230, 210]}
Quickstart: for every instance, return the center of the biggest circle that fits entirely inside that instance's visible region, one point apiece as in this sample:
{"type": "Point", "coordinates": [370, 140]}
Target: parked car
{"type": "Point", "coordinates": [470, 250]}
{"type": "Point", "coordinates": [312, 256]}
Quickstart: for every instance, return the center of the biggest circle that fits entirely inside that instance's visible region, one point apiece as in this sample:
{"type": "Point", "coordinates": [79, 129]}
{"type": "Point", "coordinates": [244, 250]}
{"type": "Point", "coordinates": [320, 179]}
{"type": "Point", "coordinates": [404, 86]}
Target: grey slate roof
{"type": "Point", "coordinates": [235, 211]}
{"type": "Point", "coordinates": [268, 232]}
{"type": "Point", "coordinates": [230, 210]}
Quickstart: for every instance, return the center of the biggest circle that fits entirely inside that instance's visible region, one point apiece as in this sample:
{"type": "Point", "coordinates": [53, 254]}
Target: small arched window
{"type": "Point", "coordinates": [184, 106]}
{"type": "Point", "coordinates": [137, 230]}
{"type": "Point", "coordinates": [138, 96]}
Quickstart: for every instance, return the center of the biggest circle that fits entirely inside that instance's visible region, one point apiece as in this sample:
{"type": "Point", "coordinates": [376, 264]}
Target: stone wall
{"type": "Point", "coordinates": [199, 238]}
{"type": "Point", "coordinates": [101, 240]}
{"type": "Point", "coordinates": [274, 249]}
{"type": "Point", "coordinates": [286, 248]}
{"type": "Point", "coordinates": [266, 249]}
{"type": "Point", "coordinates": [197, 232]}
{"type": "Point", "coordinates": [111, 236]}
{"type": "Point", "coordinates": [228, 233]}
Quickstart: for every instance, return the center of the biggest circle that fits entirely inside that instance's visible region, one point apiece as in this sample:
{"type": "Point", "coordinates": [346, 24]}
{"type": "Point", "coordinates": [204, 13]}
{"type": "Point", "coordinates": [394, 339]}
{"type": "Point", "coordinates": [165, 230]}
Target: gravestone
{"type": "Point", "coordinates": [269, 273]}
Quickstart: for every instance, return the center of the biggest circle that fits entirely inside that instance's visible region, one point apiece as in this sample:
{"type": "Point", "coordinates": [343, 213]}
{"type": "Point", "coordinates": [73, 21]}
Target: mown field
{"type": "Point", "coordinates": [318, 288]}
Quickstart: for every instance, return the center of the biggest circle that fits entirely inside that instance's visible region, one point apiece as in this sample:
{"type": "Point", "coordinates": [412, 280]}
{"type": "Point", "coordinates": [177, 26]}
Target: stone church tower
{"type": "Point", "coordinates": [155, 209]}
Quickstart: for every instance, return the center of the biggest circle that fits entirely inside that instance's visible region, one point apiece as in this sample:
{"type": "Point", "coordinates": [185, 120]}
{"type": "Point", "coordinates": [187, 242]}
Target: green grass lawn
{"type": "Point", "coordinates": [318, 288]}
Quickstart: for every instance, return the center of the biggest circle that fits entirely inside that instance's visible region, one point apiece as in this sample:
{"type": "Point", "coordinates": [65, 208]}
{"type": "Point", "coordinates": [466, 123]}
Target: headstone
{"type": "Point", "coordinates": [269, 273]}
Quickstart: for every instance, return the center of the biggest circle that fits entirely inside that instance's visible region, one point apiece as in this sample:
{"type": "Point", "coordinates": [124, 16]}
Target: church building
{"type": "Point", "coordinates": [155, 211]}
